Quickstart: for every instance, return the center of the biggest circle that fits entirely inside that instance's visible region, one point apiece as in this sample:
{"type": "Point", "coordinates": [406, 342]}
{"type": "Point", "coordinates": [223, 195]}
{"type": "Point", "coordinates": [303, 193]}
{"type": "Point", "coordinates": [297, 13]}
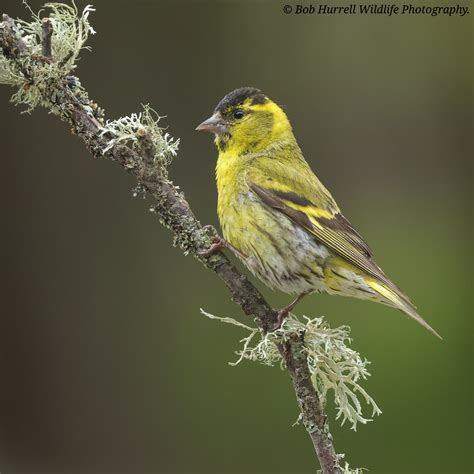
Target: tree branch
{"type": "Point", "coordinates": [71, 103]}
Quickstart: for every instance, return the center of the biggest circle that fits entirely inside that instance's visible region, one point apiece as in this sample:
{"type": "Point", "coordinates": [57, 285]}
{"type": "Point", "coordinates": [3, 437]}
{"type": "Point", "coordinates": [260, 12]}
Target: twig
{"type": "Point", "coordinates": [46, 34]}
{"type": "Point", "coordinates": [73, 105]}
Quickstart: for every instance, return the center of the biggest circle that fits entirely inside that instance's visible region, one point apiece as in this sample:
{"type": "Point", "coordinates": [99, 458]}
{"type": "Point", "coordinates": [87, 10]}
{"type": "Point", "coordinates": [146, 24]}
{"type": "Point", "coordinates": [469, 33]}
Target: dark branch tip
{"type": "Point", "coordinates": [47, 33]}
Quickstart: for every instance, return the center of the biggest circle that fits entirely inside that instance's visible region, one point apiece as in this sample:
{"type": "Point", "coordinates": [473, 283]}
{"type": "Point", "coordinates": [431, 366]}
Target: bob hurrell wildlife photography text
{"type": "Point", "coordinates": [236, 237]}
{"type": "Point", "coordinates": [387, 9]}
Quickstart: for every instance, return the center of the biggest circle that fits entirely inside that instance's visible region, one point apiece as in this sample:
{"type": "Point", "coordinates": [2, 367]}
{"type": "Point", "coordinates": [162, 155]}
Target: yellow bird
{"type": "Point", "coordinates": [278, 218]}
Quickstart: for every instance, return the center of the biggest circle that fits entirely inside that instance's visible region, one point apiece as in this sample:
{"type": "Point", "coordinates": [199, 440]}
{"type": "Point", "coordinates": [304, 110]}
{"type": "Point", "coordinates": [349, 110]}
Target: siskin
{"type": "Point", "coordinates": [279, 219]}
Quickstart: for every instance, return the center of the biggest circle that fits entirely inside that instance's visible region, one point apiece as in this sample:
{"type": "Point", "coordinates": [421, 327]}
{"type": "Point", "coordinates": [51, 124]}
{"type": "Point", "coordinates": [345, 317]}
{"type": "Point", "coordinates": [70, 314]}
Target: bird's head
{"type": "Point", "coordinates": [247, 121]}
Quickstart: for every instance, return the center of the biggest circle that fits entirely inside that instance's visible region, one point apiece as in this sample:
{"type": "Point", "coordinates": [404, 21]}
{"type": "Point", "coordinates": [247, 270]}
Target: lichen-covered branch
{"type": "Point", "coordinates": [332, 364]}
{"type": "Point", "coordinates": [38, 59]}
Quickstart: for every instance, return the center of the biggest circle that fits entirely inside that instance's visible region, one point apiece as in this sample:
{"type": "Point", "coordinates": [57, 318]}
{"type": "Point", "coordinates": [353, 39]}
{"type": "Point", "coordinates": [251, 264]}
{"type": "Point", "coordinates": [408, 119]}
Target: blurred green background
{"type": "Point", "coordinates": [107, 365]}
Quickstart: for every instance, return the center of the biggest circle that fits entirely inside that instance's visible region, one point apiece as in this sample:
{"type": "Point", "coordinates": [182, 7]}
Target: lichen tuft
{"type": "Point", "coordinates": [334, 366]}
{"type": "Point", "coordinates": [133, 127]}
{"type": "Point", "coordinates": [38, 79]}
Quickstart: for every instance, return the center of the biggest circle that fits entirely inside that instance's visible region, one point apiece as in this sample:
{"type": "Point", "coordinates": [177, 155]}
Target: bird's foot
{"type": "Point", "coordinates": [211, 230]}
{"type": "Point", "coordinates": [218, 244]}
{"type": "Point", "coordinates": [283, 313]}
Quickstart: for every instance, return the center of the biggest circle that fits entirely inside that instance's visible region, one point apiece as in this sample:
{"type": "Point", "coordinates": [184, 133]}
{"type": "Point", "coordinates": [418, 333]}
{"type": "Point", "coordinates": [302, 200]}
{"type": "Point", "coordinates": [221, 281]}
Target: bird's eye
{"type": "Point", "coordinates": [238, 114]}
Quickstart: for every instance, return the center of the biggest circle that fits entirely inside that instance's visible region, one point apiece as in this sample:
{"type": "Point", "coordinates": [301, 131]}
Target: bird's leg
{"type": "Point", "coordinates": [283, 313]}
{"type": "Point", "coordinates": [218, 244]}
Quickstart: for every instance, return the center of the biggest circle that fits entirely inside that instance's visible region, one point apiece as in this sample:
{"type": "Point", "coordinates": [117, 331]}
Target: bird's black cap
{"type": "Point", "coordinates": [239, 96]}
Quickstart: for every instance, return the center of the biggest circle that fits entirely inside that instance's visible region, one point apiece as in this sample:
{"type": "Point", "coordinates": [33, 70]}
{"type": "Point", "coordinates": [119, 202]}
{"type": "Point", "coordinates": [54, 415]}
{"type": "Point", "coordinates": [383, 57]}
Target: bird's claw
{"type": "Point", "coordinates": [218, 243]}
{"type": "Point", "coordinates": [282, 314]}
{"type": "Point", "coordinates": [210, 229]}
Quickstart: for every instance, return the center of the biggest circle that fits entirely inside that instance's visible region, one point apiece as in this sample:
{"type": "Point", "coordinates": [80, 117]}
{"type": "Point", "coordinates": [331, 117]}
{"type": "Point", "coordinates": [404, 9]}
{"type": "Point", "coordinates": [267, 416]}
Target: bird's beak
{"type": "Point", "coordinates": [214, 124]}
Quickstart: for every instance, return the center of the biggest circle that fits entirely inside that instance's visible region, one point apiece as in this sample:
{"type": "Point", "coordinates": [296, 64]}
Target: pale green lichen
{"type": "Point", "coordinates": [35, 77]}
{"type": "Point", "coordinates": [41, 81]}
{"type": "Point", "coordinates": [346, 469]}
{"type": "Point", "coordinates": [129, 130]}
{"type": "Point", "coordinates": [71, 31]}
{"type": "Point", "coordinates": [334, 366]}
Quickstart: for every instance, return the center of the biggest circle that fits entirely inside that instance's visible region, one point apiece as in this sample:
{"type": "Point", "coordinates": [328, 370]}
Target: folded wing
{"type": "Point", "coordinates": [324, 221]}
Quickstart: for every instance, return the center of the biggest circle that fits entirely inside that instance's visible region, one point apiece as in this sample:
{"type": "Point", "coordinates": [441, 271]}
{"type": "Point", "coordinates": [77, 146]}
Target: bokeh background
{"type": "Point", "coordinates": [107, 365]}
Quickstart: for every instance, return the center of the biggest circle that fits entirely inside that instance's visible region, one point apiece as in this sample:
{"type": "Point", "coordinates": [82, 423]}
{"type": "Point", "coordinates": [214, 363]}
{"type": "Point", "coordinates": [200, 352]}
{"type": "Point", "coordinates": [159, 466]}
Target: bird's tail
{"type": "Point", "coordinates": [398, 300]}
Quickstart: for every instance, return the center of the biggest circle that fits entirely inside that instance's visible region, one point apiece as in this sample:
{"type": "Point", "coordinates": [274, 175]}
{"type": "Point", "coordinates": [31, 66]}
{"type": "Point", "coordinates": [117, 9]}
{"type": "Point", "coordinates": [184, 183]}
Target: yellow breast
{"type": "Point", "coordinates": [231, 188]}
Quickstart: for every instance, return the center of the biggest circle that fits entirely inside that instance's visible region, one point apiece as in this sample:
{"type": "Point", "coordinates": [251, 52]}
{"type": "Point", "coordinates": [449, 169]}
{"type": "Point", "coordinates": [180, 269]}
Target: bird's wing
{"type": "Point", "coordinates": [297, 193]}
{"type": "Point", "coordinates": [308, 204]}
